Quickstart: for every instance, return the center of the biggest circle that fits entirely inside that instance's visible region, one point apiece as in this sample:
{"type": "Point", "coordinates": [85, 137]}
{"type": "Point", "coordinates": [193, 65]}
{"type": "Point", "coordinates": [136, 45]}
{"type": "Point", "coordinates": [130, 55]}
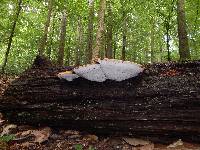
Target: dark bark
{"type": "Point", "coordinates": [11, 35]}
{"type": "Point", "coordinates": [162, 102]}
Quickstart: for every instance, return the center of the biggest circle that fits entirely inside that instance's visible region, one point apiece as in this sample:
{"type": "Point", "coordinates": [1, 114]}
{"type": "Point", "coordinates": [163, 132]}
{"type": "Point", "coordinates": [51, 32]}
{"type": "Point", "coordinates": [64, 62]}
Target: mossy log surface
{"type": "Point", "coordinates": [161, 103]}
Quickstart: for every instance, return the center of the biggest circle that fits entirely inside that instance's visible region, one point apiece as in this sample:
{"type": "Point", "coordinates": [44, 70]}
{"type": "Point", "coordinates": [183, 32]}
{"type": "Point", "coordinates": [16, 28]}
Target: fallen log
{"type": "Point", "coordinates": [161, 103]}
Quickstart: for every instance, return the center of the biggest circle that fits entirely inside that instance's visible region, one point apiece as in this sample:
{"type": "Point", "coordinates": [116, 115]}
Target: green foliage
{"type": "Point", "coordinates": [139, 13]}
{"type": "Point", "coordinates": [7, 138]}
{"type": "Point", "coordinates": [80, 147]}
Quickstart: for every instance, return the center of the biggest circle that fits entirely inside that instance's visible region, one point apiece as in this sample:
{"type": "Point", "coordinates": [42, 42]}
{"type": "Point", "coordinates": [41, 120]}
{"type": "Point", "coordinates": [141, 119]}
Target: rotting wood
{"type": "Point", "coordinates": [162, 103]}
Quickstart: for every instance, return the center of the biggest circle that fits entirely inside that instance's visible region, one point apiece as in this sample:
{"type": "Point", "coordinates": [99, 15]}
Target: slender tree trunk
{"type": "Point", "coordinates": [62, 39]}
{"type": "Point", "coordinates": [167, 42]}
{"type": "Point", "coordinates": [152, 40]}
{"type": "Point", "coordinates": [43, 41]}
{"type": "Point", "coordinates": [109, 49]}
{"type": "Point", "coordinates": [88, 53]}
{"type": "Point", "coordinates": [11, 35]}
{"type": "Point", "coordinates": [51, 38]}
{"type": "Point", "coordinates": [103, 46]}
{"type": "Point", "coordinates": [115, 47]}
{"type": "Point", "coordinates": [182, 32]}
{"type": "Point", "coordinates": [68, 52]}
{"type": "Point", "coordinates": [161, 50]}
{"type": "Point", "coordinates": [79, 42]}
{"type": "Point", "coordinates": [124, 44]}
{"type": "Point", "coordinates": [100, 31]}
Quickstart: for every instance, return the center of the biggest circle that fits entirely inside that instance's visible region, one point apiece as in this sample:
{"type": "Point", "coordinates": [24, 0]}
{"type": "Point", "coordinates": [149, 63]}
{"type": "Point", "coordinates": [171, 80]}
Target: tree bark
{"type": "Point", "coordinates": [62, 39]}
{"type": "Point", "coordinates": [19, 7]}
{"type": "Point", "coordinates": [49, 50]}
{"type": "Point", "coordinates": [79, 41]}
{"type": "Point", "coordinates": [100, 31]}
{"type": "Point", "coordinates": [182, 32]}
{"type": "Point", "coordinates": [115, 46]}
{"type": "Point", "coordinates": [152, 40]}
{"type": "Point", "coordinates": [124, 32]}
{"type": "Point", "coordinates": [68, 56]}
{"type": "Point", "coordinates": [43, 40]}
{"type": "Point", "coordinates": [167, 41]}
{"type": "Point", "coordinates": [162, 102]}
{"type": "Point", "coordinates": [109, 37]}
{"type": "Point", "coordinates": [88, 54]}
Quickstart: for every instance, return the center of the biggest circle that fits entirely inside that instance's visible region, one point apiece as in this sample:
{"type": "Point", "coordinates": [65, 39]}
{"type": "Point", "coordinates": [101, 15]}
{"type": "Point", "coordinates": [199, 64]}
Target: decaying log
{"type": "Point", "coordinates": [162, 102]}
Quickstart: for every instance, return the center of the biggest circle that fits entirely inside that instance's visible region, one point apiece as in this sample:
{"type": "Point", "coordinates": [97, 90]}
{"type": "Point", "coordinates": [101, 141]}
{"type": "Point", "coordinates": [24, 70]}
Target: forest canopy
{"type": "Point", "coordinates": [72, 32]}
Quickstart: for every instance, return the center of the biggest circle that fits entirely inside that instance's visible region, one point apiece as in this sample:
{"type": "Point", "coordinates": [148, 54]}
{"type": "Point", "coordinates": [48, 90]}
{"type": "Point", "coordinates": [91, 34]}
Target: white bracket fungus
{"type": "Point", "coordinates": [91, 72]}
{"type": "Point", "coordinates": [119, 70]}
{"type": "Point", "coordinates": [112, 69]}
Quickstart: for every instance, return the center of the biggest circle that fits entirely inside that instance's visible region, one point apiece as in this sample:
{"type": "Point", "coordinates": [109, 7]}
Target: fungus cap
{"type": "Point", "coordinates": [119, 70]}
{"type": "Point", "coordinates": [91, 72]}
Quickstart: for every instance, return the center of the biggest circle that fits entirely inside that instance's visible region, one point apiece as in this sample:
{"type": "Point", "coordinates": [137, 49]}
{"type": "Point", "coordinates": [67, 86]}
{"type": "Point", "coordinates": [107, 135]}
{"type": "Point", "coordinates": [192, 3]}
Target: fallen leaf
{"type": "Point", "coordinates": [176, 144]}
{"type": "Point", "coordinates": [3, 145]}
{"type": "Point", "coordinates": [92, 138]}
{"type": "Point", "coordinates": [37, 136]}
{"type": "Point", "coordinates": [147, 147]}
{"type": "Point", "coordinates": [41, 135]}
{"type": "Point", "coordinates": [136, 142]}
{"type": "Point", "coordinates": [26, 144]}
{"type": "Point", "coordinates": [8, 129]}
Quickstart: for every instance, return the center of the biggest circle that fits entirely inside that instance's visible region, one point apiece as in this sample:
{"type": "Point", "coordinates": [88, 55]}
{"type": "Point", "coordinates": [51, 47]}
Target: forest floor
{"type": "Point", "coordinates": [44, 138]}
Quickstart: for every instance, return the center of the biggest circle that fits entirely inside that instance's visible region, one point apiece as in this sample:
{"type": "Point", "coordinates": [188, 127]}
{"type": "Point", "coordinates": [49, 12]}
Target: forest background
{"type": "Point", "coordinates": [74, 32]}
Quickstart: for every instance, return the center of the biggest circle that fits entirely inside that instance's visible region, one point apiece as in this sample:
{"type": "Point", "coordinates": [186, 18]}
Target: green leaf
{"type": "Point", "coordinates": [7, 138]}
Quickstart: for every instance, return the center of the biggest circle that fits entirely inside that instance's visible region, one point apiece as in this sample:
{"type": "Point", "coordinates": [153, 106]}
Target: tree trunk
{"type": "Point", "coordinates": [68, 56]}
{"type": "Point", "coordinates": [51, 37]}
{"type": "Point", "coordinates": [161, 50]}
{"type": "Point", "coordinates": [62, 39]}
{"type": "Point", "coordinates": [115, 47]}
{"type": "Point", "coordinates": [167, 41]}
{"type": "Point", "coordinates": [182, 32]}
{"type": "Point", "coordinates": [100, 31]}
{"type": "Point", "coordinates": [124, 44]}
{"type": "Point", "coordinates": [152, 40]}
{"type": "Point", "coordinates": [88, 54]}
{"type": "Point", "coordinates": [79, 41]}
{"type": "Point", "coordinates": [12, 35]}
{"type": "Point", "coordinates": [109, 37]}
{"type": "Point", "coordinates": [162, 102]}
{"type": "Point", "coordinates": [43, 40]}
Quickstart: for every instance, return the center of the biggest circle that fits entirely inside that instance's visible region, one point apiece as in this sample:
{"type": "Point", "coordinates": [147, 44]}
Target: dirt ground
{"type": "Point", "coordinates": [13, 137]}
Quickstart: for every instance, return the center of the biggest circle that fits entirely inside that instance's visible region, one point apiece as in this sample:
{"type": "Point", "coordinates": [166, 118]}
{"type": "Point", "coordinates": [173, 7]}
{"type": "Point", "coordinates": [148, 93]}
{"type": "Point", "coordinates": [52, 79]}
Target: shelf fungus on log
{"type": "Point", "coordinates": [161, 104]}
{"type": "Point", "coordinates": [111, 69]}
